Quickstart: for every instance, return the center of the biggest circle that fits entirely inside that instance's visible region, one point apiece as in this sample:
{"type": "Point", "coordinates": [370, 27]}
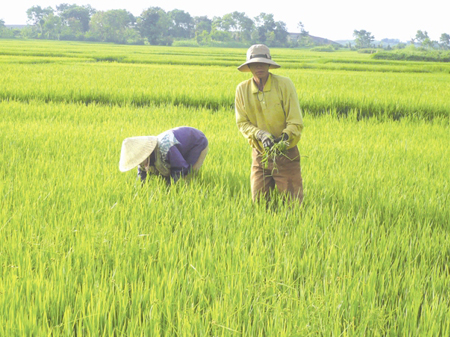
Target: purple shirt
{"type": "Point", "coordinates": [180, 148]}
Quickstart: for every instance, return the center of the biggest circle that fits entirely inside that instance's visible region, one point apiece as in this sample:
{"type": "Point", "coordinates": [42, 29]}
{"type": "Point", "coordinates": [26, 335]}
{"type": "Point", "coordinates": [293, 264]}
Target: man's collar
{"type": "Point", "coordinates": [267, 86]}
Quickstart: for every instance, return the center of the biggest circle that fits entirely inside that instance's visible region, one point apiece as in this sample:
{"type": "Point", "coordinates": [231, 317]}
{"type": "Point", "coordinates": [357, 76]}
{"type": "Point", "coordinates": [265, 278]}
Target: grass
{"type": "Point", "coordinates": [368, 93]}
{"type": "Point", "coordinates": [86, 250]}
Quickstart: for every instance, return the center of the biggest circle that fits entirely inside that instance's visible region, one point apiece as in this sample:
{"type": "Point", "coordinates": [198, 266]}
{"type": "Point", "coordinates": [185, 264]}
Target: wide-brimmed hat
{"type": "Point", "coordinates": [258, 53]}
{"type": "Point", "coordinates": [135, 150]}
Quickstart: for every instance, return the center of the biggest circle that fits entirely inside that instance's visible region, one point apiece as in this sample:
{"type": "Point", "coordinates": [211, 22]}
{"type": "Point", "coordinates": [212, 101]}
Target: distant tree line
{"type": "Point", "coordinates": [423, 39]}
{"type": "Point", "coordinates": [154, 26]}
{"type": "Point", "coordinates": [157, 27]}
{"type": "Point", "coordinates": [364, 39]}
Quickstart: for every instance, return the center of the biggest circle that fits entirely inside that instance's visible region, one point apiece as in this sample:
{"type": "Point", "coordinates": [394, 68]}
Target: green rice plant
{"type": "Point", "coordinates": [86, 250]}
{"type": "Point", "coordinates": [227, 57]}
{"type": "Point", "coordinates": [414, 55]}
{"type": "Point", "coordinates": [271, 154]}
{"type": "Point", "coordinates": [391, 95]}
{"type": "Point", "coordinates": [343, 83]}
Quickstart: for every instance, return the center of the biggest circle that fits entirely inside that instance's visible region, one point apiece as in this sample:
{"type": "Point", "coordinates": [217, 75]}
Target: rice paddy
{"type": "Point", "coordinates": [87, 251]}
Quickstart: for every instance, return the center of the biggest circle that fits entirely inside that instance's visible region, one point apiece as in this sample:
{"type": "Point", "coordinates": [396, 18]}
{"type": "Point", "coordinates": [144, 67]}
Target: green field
{"type": "Point", "coordinates": [87, 251]}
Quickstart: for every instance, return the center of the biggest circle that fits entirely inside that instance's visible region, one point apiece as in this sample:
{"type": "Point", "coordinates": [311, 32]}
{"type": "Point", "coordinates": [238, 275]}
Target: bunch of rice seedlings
{"type": "Point", "coordinates": [271, 154]}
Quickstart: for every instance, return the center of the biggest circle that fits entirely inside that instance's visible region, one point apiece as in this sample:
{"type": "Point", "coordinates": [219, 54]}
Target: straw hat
{"type": "Point", "coordinates": [135, 150]}
{"type": "Point", "coordinates": [258, 53]}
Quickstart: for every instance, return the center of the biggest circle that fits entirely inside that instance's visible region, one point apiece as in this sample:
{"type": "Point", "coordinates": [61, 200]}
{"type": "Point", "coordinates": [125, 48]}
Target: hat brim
{"type": "Point", "coordinates": [132, 156]}
{"type": "Point", "coordinates": [244, 67]}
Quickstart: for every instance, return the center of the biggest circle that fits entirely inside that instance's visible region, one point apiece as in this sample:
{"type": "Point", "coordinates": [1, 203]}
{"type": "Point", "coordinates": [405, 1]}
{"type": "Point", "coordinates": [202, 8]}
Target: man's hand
{"type": "Point", "coordinates": [284, 137]}
{"type": "Point", "coordinates": [265, 137]}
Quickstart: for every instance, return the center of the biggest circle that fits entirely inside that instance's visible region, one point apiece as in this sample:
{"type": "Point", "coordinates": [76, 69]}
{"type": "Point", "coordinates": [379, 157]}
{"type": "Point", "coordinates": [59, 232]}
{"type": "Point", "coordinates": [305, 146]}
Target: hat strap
{"type": "Point", "coordinates": [266, 56]}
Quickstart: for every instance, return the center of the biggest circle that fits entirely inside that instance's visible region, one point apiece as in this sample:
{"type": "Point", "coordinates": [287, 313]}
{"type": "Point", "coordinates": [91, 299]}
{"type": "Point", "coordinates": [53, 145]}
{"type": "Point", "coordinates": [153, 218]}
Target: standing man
{"type": "Point", "coordinates": [267, 112]}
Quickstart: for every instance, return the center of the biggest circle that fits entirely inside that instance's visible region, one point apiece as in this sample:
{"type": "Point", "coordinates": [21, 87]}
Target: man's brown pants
{"type": "Point", "coordinates": [285, 174]}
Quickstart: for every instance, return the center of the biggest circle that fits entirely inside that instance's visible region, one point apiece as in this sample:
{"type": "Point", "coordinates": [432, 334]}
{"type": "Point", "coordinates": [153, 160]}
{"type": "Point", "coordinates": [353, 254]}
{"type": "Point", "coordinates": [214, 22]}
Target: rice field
{"type": "Point", "coordinates": [87, 251]}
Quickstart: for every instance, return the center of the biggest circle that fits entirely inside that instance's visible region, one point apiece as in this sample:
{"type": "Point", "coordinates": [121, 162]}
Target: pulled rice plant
{"type": "Point", "coordinates": [271, 154]}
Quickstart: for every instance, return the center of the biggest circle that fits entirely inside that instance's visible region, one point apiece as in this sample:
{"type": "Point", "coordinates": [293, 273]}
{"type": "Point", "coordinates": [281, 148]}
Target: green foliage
{"type": "Point", "coordinates": [182, 24]}
{"type": "Point", "coordinates": [52, 27]}
{"type": "Point", "coordinates": [272, 154]}
{"type": "Point", "coordinates": [421, 36]}
{"type": "Point", "coordinates": [341, 81]}
{"type": "Point", "coordinates": [363, 39]}
{"type": "Point", "coordinates": [202, 23]}
{"type": "Point", "coordinates": [113, 26]}
{"type": "Point", "coordinates": [87, 251]}
{"type": "Point", "coordinates": [75, 17]}
{"type": "Point", "coordinates": [414, 55]}
{"type": "Point", "coordinates": [185, 43]}
{"type": "Point", "coordinates": [36, 15]}
{"type": "Point", "coordinates": [327, 48]}
{"type": "Point", "coordinates": [445, 41]}
{"type": "Point", "coordinates": [399, 46]}
{"type": "Point", "coordinates": [91, 252]}
{"type": "Point", "coordinates": [270, 32]}
{"type": "Point", "coordinates": [219, 35]}
{"type": "Point", "coordinates": [6, 33]}
{"type": "Point", "coordinates": [367, 51]}
{"type": "Point", "coordinates": [154, 24]}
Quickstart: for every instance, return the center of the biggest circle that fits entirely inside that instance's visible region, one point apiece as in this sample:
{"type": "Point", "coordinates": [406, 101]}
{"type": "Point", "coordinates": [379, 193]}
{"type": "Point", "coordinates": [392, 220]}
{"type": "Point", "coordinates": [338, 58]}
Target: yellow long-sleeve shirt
{"type": "Point", "coordinates": [275, 110]}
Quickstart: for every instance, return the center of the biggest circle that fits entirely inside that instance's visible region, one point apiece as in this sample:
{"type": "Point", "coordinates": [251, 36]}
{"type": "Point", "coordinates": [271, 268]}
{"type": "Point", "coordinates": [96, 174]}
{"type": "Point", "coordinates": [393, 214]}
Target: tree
{"type": "Point", "coordinates": [203, 37]}
{"type": "Point", "coordinates": [76, 17]}
{"type": "Point", "coordinates": [221, 29]}
{"type": "Point", "coordinates": [244, 26]}
{"type": "Point", "coordinates": [112, 25]}
{"type": "Point", "coordinates": [3, 30]}
{"type": "Point", "coordinates": [303, 40]}
{"type": "Point", "coordinates": [52, 27]}
{"type": "Point", "coordinates": [270, 38]}
{"type": "Point", "coordinates": [281, 34]}
{"type": "Point", "coordinates": [154, 24]}
{"type": "Point", "coordinates": [390, 41]}
{"type": "Point", "coordinates": [37, 15]}
{"type": "Point", "coordinates": [363, 39]}
{"type": "Point", "coordinates": [8, 33]}
{"type": "Point", "coordinates": [421, 36]}
{"type": "Point", "coordinates": [265, 24]}
{"type": "Point", "coordinates": [220, 35]}
{"type": "Point", "coordinates": [400, 45]}
{"type": "Point", "coordinates": [428, 43]}
{"type": "Point", "coordinates": [303, 32]}
{"type": "Point", "coordinates": [225, 23]}
{"type": "Point", "coordinates": [202, 23]}
{"type": "Point", "coordinates": [445, 41]}
{"type": "Point", "coordinates": [182, 24]}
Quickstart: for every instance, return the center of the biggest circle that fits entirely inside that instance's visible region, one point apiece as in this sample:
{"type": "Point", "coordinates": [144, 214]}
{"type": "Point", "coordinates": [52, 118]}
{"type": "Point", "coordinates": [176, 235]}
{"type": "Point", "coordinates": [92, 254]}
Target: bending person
{"type": "Point", "coordinates": [172, 154]}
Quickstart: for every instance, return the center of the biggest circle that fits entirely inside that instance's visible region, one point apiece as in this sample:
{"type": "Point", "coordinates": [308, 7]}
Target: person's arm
{"type": "Point", "coordinates": [142, 174]}
{"type": "Point", "coordinates": [294, 119]}
{"type": "Point", "coordinates": [243, 123]}
{"type": "Point", "coordinates": [179, 167]}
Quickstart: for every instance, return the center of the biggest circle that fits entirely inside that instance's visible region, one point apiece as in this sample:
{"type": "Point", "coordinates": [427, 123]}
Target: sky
{"type": "Point", "coordinates": [331, 19]}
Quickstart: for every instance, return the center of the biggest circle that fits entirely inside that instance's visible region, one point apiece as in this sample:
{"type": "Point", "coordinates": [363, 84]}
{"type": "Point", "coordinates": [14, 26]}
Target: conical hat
{"type": "Point", "coordinates": [135, 150]}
